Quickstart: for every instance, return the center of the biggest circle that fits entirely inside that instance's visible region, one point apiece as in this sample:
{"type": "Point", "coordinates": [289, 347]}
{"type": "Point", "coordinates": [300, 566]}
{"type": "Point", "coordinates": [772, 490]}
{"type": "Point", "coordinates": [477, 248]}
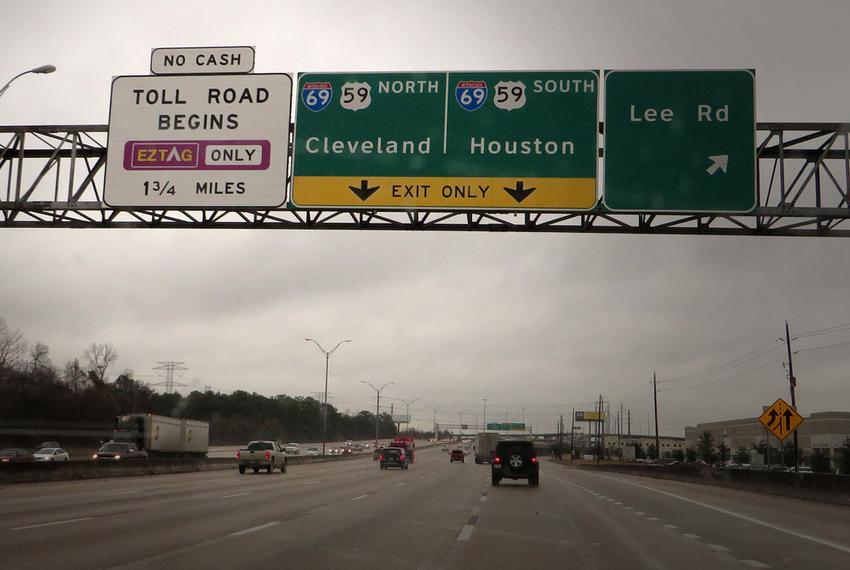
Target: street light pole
{"type": "Point", "coordinates": [40, 69]}
{"type": "Point", "coordinates": [435, 420]}
{"type": "Point", "coordinates": [485, 414]}
{"type": "Point", "coordinates": [377, 405]}
{"type": "Point", "coordinates": [328, 354]}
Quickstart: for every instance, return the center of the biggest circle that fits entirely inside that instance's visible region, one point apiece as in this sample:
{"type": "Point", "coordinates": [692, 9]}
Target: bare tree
{"type": "Point", "coordinates": [40, 359]}
{"type": "Point", "coordinates": [12, 346]}
{"type": "Point", "coordinates": [100, 357]}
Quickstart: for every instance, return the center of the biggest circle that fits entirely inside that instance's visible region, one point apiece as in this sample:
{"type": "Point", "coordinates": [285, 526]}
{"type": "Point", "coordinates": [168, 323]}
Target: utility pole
{"type": "Point", "coordinates": [630, 423]}
{"type": "Point", "coordinates": [573, 436]}
{"type": "Point", "coordinates": [561, 437]}
{"type": "Point", "coordinates": [655, 400]}
{"type": "Point", "coordinates": [485, 414]}
{"type": "Point", "coordinates": [793, 382]}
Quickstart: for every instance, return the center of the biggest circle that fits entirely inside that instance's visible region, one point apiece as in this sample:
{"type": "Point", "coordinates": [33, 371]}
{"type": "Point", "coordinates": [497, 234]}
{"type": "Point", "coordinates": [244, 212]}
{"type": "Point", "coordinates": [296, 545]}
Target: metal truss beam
{"type": "Point", "coordinates": [52, 176]}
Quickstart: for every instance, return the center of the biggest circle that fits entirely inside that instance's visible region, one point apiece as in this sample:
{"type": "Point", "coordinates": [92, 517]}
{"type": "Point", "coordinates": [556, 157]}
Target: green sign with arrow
{"type": "Point", "coordinates": [680, 141]}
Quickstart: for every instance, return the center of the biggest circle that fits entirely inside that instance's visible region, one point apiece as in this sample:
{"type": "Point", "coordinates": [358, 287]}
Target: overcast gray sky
{"type": "Point", "coordinates": [544, 322]}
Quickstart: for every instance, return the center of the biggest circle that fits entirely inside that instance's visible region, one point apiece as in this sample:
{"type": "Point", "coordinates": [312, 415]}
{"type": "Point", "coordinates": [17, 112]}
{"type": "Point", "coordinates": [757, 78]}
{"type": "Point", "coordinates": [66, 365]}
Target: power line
{"type": "Point", "coordinates": [720, 380]}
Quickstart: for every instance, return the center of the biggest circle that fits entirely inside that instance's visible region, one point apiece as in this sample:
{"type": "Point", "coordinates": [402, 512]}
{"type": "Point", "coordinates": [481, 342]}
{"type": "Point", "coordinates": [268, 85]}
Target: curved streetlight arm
{"type": "Point", "coordinates": [40, 69]}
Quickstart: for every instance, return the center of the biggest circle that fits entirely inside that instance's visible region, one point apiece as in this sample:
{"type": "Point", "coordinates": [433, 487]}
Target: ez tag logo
{"type": "Point", "coordinates": [317, 95]}
{"type": "Point", "coordinates": [471, 95]}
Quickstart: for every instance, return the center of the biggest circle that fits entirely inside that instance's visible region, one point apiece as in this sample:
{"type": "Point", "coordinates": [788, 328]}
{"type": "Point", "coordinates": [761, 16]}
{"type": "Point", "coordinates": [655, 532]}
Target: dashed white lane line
{"type": "Point", "coordinates": [653, 519]}
{"type": "Point", "coordinates": [640, 513]}
{"type": "Point", "coordinates": [718, 548]}
{"type": "Point", "coordinates": [54, 523]}
{"type": "Point", "coordinates": [618, 503]}
{"type": "Point", "coordinates": [691, 536]}
{"type": "Point", "coordinates": [671, 526]}
{"type": "Point", "coordinates": [629, 508]}
{"type": "Point", "coordinates": [466, 532]}
{"type": "Point", "coordinates": [483, 499]}
{"type": "Point", "coordinates": [312, 482]}
{"type": "Point", "coordinates": [242, 494]}
{"type": "Point", "coordinates": [254, 528]}
{"type": "Point", "coordinates": [401, 484]}
{"type": "Point", "coordinates": [117, 493]}
{"type": "Point", "coordinates": [755, 564]}
{"type": "Point", "coordinates": [358, 497]}
{"type": "Point", "coordinates": [824, 542]}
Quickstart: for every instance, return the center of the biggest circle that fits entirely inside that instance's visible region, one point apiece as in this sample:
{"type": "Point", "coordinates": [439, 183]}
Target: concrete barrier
{"type": "Point", "coordinates": [32, 472]}
{"type": "Point", "coordinates": [823, 487]}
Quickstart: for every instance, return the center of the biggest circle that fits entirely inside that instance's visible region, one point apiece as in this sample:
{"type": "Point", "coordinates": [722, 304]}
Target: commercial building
{"type": "Point", "coordinates": [826, 431]}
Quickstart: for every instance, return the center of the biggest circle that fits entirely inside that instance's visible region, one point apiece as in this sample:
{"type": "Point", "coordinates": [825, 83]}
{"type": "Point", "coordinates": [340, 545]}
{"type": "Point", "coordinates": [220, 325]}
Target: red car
{"type": "Point", "coordinates": [456, 455]}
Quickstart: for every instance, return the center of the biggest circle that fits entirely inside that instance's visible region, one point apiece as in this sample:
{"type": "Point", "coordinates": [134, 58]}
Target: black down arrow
{"type": "Point", "coordinates": [519, 193]}
{"type": "Point", "coordinates": [364, 191]}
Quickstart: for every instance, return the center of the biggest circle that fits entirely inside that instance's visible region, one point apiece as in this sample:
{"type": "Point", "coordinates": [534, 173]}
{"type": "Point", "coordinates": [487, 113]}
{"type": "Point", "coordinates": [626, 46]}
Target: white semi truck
{"type": "Point", "coordinates": [163, 435]}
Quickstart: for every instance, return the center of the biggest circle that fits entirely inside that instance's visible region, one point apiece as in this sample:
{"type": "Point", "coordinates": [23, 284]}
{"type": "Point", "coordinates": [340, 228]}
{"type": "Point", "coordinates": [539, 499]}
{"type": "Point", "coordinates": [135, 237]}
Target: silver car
{"type": "Point", "coordinates": [51, 454]}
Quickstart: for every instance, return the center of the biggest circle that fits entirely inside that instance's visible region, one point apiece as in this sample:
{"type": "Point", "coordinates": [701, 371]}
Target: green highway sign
{"type": "Point", "coordinates": [680, 141]}
{"type": "Point", "coordinates": [457, 140]}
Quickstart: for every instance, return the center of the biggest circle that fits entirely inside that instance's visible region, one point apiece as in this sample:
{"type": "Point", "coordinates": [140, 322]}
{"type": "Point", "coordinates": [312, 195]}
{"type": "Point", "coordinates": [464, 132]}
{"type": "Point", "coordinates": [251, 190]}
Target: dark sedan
{"type": "Point", "coordinates": [15, 455]}
{"type": "Point", "coordinates": [119, 451]}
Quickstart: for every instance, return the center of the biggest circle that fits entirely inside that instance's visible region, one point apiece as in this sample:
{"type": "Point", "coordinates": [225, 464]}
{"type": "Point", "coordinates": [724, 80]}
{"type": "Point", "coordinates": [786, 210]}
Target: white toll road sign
{"type": "Point", "coordinates": [208, 60]}
{"type": "Point", "coordinates": [203, 141]}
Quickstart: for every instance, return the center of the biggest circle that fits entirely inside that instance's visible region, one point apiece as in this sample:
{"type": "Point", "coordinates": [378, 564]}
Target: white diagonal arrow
{"type": "Point", "coordinates": [720, 161]}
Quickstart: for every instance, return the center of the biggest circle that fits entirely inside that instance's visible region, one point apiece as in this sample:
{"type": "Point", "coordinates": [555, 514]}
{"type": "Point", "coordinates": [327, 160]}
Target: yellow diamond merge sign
{"type": "Point", "coordinates": [781, 419]}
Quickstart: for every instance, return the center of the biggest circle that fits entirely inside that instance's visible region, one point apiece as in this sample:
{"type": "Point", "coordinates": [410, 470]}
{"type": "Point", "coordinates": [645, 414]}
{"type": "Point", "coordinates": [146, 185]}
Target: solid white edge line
{"type": "Point", "coordinates": [50, 523]}
{"type": "Point", "coordinates": [822, 541]}
{"type": "Point", "coordinates": [254, 528]}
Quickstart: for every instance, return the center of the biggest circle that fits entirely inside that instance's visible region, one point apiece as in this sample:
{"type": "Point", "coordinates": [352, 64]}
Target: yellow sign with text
{"type": "Point", "coordinates": [452, 193]}
{"type": "Point", "coordinates": [781, 419]}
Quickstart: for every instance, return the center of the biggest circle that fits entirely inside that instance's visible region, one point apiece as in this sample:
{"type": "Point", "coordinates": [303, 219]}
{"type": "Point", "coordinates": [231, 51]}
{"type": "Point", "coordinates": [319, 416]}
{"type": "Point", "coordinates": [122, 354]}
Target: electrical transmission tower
{"type": "Point", "coordinates": [170, 366]}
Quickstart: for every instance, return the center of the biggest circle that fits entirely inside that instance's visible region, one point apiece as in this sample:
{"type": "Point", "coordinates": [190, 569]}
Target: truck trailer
{"type": "Point", "coordinates": [485, 445]}
{"type": "Point", "coordinates": [163, 435]}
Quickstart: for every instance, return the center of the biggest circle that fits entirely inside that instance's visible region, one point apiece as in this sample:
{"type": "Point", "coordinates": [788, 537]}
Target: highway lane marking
{"type": "Point", "coordinates": [255, 528]}
{"type": "Point", "coordinates": [629, 508]}
{"type": "Point", "coordinates": [653, 519]}
{"type": "Point", "coordinates": [718, 548]}
{"type": "Point", "coordinates": [691, 536]}
{"type": "Point", "coordinates": [640, 513]}
{"type": "Point", "coordinates": [54, 523]}
{"type": "Point", "coordinates": [312, 482]}
{"type": "Point", "coordinates": [117, 493]}
{"type": "Point", "coordinates": [483, 499]}
{"type": "Point", "coordinates": [401, 484]}
{"type": "Point", "coordinates": [670, 526]}
{"type": "Point", "coordinates": [755, 564]}
{"type": "Point", "coordinates": [465, 532]}
{"type": "Point", "coordinates": [618, 503]}
{"type": "Point", "coordinates": [358, 497]}
{"type": "Point", "coordinates": [822, 541]}
{"type": "Point", "coordinates": [237, 494]}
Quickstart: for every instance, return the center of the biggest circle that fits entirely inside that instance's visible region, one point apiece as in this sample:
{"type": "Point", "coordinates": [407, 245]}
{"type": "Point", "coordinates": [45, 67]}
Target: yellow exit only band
{"type": "Point", "coordinates": [444, 192]}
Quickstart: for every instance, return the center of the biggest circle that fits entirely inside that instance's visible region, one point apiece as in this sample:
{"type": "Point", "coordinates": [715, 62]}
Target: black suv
{"type": "Point", "coordinates": [394, 457]}
{"type": "Point", "coordinates": [515, 460]}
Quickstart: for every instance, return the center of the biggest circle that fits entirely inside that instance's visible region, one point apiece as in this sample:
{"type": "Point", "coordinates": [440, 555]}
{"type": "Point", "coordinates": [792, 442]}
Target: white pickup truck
{"type": "Point", "coordinates": [268, 455]}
